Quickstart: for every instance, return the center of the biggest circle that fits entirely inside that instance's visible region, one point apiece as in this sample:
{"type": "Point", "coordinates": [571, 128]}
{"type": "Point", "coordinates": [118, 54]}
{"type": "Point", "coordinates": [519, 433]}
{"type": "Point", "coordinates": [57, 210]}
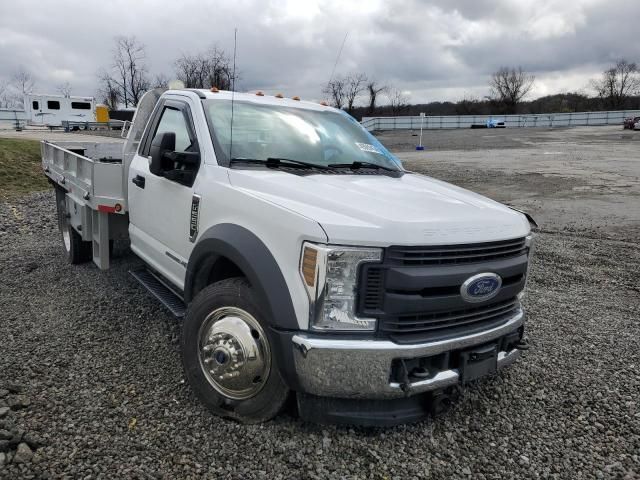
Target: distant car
{"type": "Point", "coordinates": [491, 123]}
{"type": "Point", "coordinates": [631, 123]}
{"type": "Point", "coordinates": [636, 126]}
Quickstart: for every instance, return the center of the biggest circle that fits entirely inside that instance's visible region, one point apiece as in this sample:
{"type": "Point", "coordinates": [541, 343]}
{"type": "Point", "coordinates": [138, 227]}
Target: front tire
{"type": "Point", "coordinates": [227, 355]}
{"type": "Point", "coordinates": [76, 250]}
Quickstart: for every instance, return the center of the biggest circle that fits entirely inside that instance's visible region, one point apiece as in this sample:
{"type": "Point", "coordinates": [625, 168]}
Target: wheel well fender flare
{"type": "Point", "coordinates": [255, 261]}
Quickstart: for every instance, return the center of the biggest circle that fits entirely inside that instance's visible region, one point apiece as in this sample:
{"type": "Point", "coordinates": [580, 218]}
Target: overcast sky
{"type": "Point", "coordinates": [433, 50]}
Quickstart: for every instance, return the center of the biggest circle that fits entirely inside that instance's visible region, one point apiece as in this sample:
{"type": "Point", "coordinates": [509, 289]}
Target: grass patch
{"type": "Point", "coordinates": [20, 167]}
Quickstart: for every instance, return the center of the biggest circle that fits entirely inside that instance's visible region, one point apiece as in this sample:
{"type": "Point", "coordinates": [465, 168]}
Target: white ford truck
{"type": "Point", "coordinates": [303, 257]}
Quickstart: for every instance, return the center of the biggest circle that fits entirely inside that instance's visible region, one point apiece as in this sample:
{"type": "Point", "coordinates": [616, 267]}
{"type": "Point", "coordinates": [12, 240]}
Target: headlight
{"type": "Point", "coordinates": [529, 243]}
{"type": "Point", "coordinates": [330, 276]}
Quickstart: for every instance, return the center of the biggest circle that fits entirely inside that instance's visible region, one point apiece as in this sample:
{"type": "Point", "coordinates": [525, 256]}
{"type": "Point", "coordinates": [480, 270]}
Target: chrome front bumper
{"type": "Point", "coordinates": [362, 368]}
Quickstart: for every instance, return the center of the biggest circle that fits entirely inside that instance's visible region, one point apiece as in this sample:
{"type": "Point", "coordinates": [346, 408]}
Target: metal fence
{"type": "Point", "coordinates": [573, 119]}
{"type": "Point", "coordinates": [12, 119]}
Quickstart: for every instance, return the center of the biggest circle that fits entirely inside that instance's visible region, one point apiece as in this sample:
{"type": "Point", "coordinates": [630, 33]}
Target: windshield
{"type": "Point", "coordinates": [320, 138]}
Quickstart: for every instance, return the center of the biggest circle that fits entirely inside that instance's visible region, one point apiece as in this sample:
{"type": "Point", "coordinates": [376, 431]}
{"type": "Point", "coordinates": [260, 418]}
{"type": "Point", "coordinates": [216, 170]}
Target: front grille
{"type": "Point", "coordinates": [414, 293]}
{"type": "Point", "coordinates": [439, 321]}
{"type": "Point", "coordinates": [456, 254]}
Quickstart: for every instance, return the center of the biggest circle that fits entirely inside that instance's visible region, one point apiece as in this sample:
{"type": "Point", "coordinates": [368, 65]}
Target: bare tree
{"type": "Point", "coordinates": [23, 81]}
{"type": "Point", "coordinates": [160, 81]}
{"type": "Point", "coordinates": [355, 84]}
{"type": "Point", "coordinates": [618, 83]}
{"type": "Point", "coordinates": [4, 93]}
{"type": "Point", "coordinates": [109, 92]}
{"type": "Point", "coordinates": [64, 89]}
{"type": "Point", "coordinates": [220, 72]}
{"type": "Point", "coordinates": [129, 69]}
{"type": "Point", "coordinates": [336, 91]}
{"type": "Point", "coordinates": [374, 90]}
{"type": "Point", "coordinates": [509, 86]}
{"type": "Point", "coordinates": [397, 100]}
{"type": "Point", "coordinates": [23, 84]}
{"type": "Point", "coordinates": [189, 71]}
{"type": "Point", "coordinates": [212, 68]}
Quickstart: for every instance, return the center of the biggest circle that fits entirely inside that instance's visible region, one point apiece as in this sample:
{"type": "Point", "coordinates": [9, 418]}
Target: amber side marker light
{"type": "Point", "coordinates": [309, 260]}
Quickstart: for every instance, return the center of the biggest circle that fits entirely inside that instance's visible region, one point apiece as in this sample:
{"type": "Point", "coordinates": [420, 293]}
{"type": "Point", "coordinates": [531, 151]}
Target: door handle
{"type": "Point", "coordinates": [138, 180]}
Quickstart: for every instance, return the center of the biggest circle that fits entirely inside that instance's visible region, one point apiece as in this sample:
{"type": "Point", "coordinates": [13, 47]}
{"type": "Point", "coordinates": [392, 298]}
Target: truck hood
{"type": "Point", "coordinates": [381, 210]}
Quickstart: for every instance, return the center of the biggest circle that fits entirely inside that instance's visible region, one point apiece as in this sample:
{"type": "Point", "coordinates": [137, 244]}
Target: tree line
{"type": "Point", "coordinates": [123, 82]}
{"type": "Point", "coordinates": [617, 88]}
{"type": "Point", "coordinates": [127, 77]}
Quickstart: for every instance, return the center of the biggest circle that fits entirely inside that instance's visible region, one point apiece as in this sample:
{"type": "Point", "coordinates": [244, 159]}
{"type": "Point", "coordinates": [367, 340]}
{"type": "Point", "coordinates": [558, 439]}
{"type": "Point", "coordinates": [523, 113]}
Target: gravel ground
{"type": "Point", "coordinates": [91, 384]}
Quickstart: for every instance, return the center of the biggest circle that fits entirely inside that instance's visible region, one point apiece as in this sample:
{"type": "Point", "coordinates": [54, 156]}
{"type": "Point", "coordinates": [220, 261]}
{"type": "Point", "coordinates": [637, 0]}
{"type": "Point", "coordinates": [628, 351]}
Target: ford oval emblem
{"type": "Point", "coordinates": [481, 287]}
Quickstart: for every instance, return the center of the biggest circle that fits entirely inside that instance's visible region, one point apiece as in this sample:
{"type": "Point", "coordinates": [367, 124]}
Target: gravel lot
{"type": "Point", "coordinates": [91, 383]}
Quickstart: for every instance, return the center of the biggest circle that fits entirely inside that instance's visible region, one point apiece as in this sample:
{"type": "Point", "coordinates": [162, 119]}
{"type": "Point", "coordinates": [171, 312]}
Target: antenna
{"type": "Point", "coordinates": [233, 87]}
{"type": "Point", "coordinates": [338, 57]}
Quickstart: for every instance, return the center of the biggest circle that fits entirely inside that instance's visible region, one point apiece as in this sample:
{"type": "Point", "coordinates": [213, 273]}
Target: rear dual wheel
{"type": "Point", "coordinates": [76, 250]}
{"type": "Point", "coordinates": [227, 355]}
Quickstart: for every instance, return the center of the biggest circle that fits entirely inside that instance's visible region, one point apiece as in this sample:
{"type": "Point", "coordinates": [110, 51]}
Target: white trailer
{"type": "Point", "coordinates": [52, 110]}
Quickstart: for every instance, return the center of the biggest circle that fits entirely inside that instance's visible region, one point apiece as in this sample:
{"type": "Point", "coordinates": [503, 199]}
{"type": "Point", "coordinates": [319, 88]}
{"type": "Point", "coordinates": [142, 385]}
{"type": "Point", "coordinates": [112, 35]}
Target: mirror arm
{"type": "Point", "coordinates": [188, 158]}
{"type": "Point", "coordinates": [172, 156]}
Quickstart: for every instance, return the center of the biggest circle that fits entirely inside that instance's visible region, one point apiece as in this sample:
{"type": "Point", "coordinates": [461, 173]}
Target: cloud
{"type": "Point", "coordinates": [437, 49]}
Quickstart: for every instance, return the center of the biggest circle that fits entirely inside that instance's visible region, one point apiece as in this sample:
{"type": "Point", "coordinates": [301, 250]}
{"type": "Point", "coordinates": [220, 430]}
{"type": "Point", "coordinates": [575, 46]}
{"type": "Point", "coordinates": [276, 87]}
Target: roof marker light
{"type": "Point", "coordinates": [324, 103]}
{"type": "Point", "coordinates": [214, 89]}
{"type": "Point", "coordinates": [260, 94]}
{"type": "Point", "coordinates": [279, 95]}
{"type": "Point", "coordinates": [297, 98]}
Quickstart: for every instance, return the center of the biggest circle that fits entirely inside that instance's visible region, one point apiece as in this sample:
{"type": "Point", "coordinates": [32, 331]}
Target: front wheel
{"type": "Point", "coordinates": [227, 356]}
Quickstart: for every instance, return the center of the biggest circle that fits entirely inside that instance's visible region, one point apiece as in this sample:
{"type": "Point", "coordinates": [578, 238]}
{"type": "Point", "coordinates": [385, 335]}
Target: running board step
{"type": "Point", "coordinates": [162, 292]}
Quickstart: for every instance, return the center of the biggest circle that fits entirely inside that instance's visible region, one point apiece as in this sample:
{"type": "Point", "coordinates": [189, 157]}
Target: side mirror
{"type": "Point", "coordinates": [162, 143]}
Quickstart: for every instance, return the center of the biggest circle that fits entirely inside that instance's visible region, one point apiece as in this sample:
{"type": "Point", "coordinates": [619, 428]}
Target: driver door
{"type": "Point", "coordinates": [160, 207]}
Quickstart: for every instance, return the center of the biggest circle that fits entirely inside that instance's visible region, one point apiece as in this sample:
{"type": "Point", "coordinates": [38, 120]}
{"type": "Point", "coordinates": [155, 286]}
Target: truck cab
{"type": "Point", "coordinates": [307, 261]}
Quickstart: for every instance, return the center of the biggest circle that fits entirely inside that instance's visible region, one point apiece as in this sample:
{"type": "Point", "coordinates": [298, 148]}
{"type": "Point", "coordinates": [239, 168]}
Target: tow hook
{"type": "Point", "coordinates": [405, 385]}
{"type": "Point", "coordinates": [523, 344]}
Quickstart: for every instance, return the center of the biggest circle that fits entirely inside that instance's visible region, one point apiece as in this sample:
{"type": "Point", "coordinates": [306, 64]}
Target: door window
{"type": "Point", "coordinates": [180, 165]}
{"type": "Point", "coordinates": [173, 120]}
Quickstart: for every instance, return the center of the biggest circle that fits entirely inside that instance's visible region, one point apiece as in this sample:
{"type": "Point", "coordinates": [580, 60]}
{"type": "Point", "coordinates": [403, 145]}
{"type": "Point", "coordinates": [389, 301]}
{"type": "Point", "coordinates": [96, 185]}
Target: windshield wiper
{"type": "Point", "coordinates": [357, 165]}
{"type": "Point", "coordinates": [275, 162]}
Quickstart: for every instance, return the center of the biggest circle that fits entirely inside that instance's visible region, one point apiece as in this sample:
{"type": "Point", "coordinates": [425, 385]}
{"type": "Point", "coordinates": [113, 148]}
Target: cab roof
{"type": "Point", "coordinates": [256, 97]}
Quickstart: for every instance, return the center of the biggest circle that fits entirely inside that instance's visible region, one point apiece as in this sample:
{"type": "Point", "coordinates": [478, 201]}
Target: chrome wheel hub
{"type": "Point", "coordinates": [234, 353]}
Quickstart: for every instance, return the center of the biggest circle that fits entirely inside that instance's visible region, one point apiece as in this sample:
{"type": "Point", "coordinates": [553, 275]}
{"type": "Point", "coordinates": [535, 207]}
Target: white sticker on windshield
{"type": "Point", "coordinates": [366, 147]}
